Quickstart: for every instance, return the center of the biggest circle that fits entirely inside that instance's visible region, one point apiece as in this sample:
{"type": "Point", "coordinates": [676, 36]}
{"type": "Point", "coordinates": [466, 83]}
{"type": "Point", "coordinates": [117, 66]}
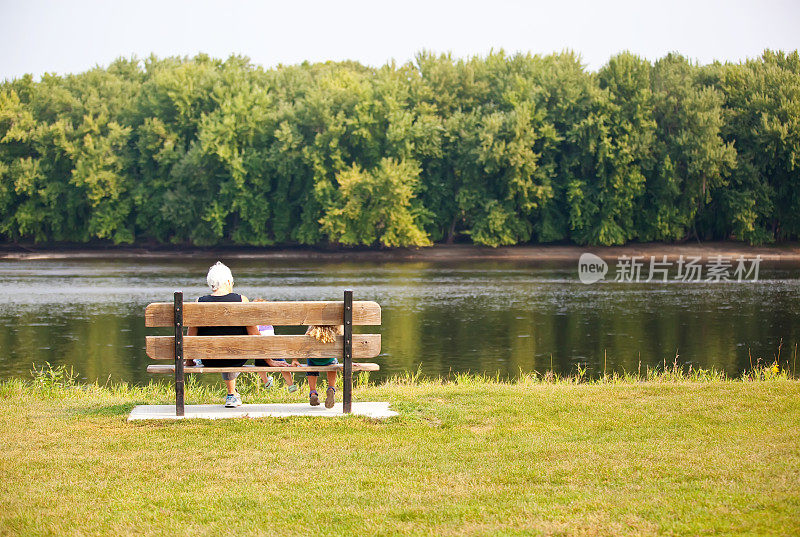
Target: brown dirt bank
{"type": "Point", "coordinates": [438, 253]}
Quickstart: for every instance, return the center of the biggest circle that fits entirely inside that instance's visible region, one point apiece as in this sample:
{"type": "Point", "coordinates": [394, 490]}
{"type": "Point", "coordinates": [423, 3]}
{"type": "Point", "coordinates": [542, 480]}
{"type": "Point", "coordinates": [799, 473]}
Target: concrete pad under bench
{"type": "Point", "coordinates": [277, 410]}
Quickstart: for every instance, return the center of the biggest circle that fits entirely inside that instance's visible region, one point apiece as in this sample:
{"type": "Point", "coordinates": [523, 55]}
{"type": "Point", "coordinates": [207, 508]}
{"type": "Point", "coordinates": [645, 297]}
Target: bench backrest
{"type": "Point", "coordinates": [162, 314]}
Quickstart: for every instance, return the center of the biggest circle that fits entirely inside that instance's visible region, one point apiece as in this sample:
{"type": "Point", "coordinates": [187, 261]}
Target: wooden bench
{"type": "Point", "coordinates": [178, 348]}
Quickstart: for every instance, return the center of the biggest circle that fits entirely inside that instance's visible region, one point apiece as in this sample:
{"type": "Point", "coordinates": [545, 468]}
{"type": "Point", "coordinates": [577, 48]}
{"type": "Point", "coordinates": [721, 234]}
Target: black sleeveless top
{"type": "Point", "coordinates": [221, 330]}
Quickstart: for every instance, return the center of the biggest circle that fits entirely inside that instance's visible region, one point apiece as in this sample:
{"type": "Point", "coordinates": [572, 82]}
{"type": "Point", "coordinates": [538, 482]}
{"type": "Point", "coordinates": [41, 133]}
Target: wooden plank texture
{"type": "Point", "coordinates": [255, 313]}
{"type": "Point", "coordinates": [164, 368]}
{"type": "Point", "coordinates": [300, 347]}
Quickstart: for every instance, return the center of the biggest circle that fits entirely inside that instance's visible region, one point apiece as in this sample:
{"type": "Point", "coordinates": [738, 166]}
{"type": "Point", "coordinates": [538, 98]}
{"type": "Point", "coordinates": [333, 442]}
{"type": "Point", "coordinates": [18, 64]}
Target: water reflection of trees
{"type": "Point", "coordinates": [470, 330]}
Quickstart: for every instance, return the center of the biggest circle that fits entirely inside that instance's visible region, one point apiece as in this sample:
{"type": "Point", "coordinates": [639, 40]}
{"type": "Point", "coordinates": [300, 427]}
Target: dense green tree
{"type": "Point", "coordinates": [690, 159]}
{"type": "Point", "coordinates": [762, 121]}
{"type": "Point", "coordinates": [497, 150]}
{"type": "Point", "coordinates": [376, 207]}
{"type": "Point", "coordinates": [615, 140]}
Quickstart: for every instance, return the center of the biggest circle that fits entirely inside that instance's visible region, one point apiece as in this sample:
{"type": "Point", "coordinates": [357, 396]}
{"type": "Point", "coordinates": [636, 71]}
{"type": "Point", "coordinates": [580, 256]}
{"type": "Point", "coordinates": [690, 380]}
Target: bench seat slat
{"type": "Point", "coordinates": [233, 347]}
{"type": "Point", "coordinates": [254, 313]}
{"type": "Point", "coordinates": [170, 368]}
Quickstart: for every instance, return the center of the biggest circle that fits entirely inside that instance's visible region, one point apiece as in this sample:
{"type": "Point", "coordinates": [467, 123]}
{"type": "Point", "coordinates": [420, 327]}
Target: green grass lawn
{"type": "Point", "coordinates": [470, 457]}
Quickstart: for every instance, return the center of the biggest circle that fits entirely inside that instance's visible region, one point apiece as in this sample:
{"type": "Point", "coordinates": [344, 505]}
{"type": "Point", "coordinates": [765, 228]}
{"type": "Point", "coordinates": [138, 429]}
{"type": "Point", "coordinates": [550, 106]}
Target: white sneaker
{"type": "Point", "coordinates": [233, 400]}
{"type": "Point", "coordinates": [268, 384]}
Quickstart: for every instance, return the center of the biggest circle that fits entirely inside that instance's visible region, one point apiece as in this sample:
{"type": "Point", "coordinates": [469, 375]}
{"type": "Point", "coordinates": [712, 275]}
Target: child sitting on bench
{"type": "Point", "coordinates": [325, 334]}
{"type": "Point", "coordinates": [268, 330]}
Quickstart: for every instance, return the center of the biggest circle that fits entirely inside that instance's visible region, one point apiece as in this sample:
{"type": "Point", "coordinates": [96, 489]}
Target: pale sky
{"type": "Point", "coordinates": [38, 36]}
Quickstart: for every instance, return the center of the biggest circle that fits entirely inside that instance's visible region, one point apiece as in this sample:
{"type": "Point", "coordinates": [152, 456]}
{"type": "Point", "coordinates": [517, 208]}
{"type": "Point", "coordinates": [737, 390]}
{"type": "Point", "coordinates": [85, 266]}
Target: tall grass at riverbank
{"type": "Point", "coordinates": [665, 452]}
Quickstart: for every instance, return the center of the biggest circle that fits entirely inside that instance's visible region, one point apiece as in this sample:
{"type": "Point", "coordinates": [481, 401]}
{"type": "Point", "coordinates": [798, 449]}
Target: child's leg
{"type": "Point", "coordinates": [313, 396]}
{"type": "Point", "coordinates": [266, 380]}
{"type": "Point", "coordinates": [330, 393]}
{"type": "Point", "coordinates": [288, 378]}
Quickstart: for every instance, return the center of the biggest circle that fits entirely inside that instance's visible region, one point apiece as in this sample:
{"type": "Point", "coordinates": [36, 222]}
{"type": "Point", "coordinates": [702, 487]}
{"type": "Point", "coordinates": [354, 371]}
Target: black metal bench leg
{"type": "Point", "coordinates": [179, 374]}
{"type": "Point", "coordinates": [347, 353]}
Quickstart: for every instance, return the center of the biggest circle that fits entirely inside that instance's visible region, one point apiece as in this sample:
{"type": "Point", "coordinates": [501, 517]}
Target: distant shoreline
{"type": "Point", "coordinates": [789, 252]}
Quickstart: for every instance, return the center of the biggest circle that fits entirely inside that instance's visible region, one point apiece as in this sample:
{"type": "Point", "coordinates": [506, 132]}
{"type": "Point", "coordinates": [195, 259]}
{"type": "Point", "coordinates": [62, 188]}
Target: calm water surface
{"type": "Point", "coordinates": [493, 317]}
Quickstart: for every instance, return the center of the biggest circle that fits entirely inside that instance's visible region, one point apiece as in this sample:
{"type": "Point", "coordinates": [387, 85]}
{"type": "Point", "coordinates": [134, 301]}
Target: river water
{"type": "Point", "coordinates": [439, 318]}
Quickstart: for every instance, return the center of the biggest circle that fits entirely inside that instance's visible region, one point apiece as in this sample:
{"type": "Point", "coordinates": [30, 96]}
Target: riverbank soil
{"type": "Point", "coordinates": [471, 457]}
{"type": "Point", "coordinates": [439, 252]}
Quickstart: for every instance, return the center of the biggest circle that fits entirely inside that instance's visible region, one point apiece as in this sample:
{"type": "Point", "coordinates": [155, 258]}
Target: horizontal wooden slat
{"type": "Point", "coordinates": [170, 368]}
{"type": "Point", "coordinates": [254, 313]}
{"type": "Point", "coordinates": [301, 347]}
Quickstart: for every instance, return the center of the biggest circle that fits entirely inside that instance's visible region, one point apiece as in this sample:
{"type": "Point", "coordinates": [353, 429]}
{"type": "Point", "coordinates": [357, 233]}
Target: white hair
{"type": "Point", "coordinates": [218, 274]}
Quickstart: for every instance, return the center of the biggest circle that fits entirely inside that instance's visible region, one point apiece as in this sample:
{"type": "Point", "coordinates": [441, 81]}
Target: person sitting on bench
{"type": "Point", "coordinates": [325, 334]}
{"type": "Point", "coordinates": [220, 279]}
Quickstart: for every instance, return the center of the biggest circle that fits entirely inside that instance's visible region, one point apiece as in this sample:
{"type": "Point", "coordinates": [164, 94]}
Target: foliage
{"type": "Point", "coordinates": [497, 150]}
{"type": "Point", "coordinates": [375, 206]}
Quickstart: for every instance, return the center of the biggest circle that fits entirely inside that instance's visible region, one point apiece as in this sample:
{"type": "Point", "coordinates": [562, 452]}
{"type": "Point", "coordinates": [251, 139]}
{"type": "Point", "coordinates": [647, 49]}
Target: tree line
{"type": "Point", "coordinates": [496, 150]}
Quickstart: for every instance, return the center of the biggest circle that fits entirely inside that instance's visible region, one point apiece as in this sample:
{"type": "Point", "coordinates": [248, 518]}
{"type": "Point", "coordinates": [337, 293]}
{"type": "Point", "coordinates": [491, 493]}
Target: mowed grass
{"type": "Point", "coordinates": [470, 457]}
